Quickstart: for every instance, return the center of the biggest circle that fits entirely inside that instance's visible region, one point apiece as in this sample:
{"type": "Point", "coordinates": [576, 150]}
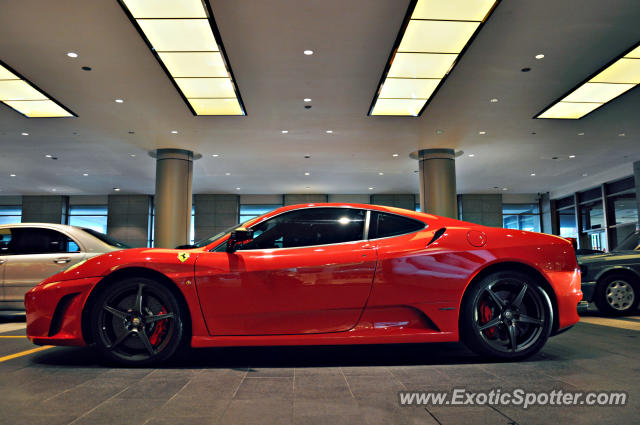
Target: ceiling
{"type": "Point", "coordinates": [265, 40]}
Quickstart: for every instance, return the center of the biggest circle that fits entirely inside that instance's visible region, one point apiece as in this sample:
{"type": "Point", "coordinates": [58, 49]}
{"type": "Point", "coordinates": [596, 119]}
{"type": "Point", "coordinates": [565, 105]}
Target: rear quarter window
{"type": "Point", "coordinates": [384, 225]}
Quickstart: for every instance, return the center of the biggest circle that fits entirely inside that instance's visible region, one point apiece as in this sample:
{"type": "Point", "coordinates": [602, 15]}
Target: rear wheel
{"type": "Point", "coordinates": [616, 295]}
{"type": "Point", "coordinates": [506, 315]}
{"type": "Point", "coordinates": [136, 321]}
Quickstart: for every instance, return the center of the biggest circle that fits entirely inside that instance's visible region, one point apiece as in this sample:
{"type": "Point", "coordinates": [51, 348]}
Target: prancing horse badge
{"type": "Point", "coordinates": [183, 256]}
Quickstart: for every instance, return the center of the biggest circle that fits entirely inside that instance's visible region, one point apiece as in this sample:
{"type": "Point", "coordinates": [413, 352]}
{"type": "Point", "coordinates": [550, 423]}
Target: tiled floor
{"type": "Point", "coordinates": [317, 385]}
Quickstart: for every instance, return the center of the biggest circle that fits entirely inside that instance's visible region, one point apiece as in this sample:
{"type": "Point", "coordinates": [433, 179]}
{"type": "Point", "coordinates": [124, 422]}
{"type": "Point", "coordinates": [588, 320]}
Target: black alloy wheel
{"type": "Point", "coordinates": [136, 321]}
{"type": "Point", "coordinates": [506, 315]}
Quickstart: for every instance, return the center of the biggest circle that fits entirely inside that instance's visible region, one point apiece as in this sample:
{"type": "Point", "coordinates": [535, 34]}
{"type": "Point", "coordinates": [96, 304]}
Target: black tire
{"type": "Point", "coordinates": [616, 295]}
{"type": "Point", "coordinates": [519, 309]}
{"type": "Point", "coordinates": [136, 322]}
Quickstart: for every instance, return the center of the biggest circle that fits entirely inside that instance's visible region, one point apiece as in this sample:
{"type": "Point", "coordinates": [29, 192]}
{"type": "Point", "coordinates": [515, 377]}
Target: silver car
{"type": "Point", "coordinates": [31, 252]}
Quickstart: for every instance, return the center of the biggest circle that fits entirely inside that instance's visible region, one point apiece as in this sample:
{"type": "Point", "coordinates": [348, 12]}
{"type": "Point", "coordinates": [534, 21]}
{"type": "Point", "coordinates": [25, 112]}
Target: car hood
{"type": "Point", "coordinates": [594, 258]}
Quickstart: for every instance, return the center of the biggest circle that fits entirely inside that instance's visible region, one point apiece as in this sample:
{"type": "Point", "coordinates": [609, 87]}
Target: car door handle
{"type": "Point", "coordinates": [62, 260]}
{"type": "Point", "coordinates": [368, 246]}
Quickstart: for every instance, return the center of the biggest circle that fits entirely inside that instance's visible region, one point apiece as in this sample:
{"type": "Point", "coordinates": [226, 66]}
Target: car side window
{"type": "Point", "coordinates": [32, 240]}
{"type": "Point", "coordinates": [308, 227]}
{"type": "Point", "coordinates": [384, 225]}
{"type": "Point", "coordinates": [5, 240]}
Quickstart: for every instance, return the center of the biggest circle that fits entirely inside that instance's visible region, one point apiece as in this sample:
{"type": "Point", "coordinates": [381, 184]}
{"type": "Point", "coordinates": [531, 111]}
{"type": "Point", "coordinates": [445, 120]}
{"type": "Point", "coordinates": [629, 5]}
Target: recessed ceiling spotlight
{"type": "Point", "coordinates": [308, 52]}
{"type": "Point", "coordinates": [307, 173]}
{"type": "Point", "coordinates": [116, 189]}
{"type": "Point", "coordinates": [215, 155]}
{"type": "Point", "coordinates": [72, 54]}
{"type": "Point", "coordinates": [329, 131]}
{"type": "Point", "coordinates": [307, 99]}
{"type": "Point", "coordinates": [482, 133]}
{"type": "Point", "coordinates": [471, 155]}
{"type": "Point", "coordinates": [533, 174]}
{"type": "Point", "coordinates": [539, 56]}
{"type": "Point", "coordinates": [227, 174]}
{"type": "Point", "coordinates": [174, 131]}
{"type": "Point", "coordinates": [621, 134]}
{"type": "Point", "coordinates": [237, 188]}
{"type": "Point", "coordinates": [12, 175]}
{"type": "Point", "coordinates": [494, 100]}
{"type": "Point", "coordinates": [505, 188]}
{"type": "Point", "coordinates": [395, 155]}
{"type": "Point", "coordinates": [370, 188]}
{"type": "Point", "coordinates": [85, 174]}
{"type": "Point", "coordinates": [439, 131]}
{"type": "Point", "coordinates": [48, 156]}
{"type": "Point", "coordinates": [585, 175]}
{"type": "Point", "coordinates": [53, 190]}
{"type": "Point", "coordinates": [285, 131]}
{"type": "Point", "coordinates": [381, 174]}
{"type": "Point", "coordinates": [119, 101]}
{"type": "Point", "coordinates": [581, 134]}
{"type": "Point", "coordinates": [572, 156]}
{"type": "Point", "coordinates": [25, 134]}
{"type": "Point", "coordinates": [132, 155]}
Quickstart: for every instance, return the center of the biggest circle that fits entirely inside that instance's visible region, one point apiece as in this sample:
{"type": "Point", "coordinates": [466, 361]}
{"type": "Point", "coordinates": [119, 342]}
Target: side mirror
{"type": "Point", "coordinates": [237, 237]}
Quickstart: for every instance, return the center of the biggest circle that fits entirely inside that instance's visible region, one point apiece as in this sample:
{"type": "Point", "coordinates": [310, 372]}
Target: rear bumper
{"type": "Point", "coordinates": [54, 311]}
{"type": "Point", "coordinates": [588, 288]}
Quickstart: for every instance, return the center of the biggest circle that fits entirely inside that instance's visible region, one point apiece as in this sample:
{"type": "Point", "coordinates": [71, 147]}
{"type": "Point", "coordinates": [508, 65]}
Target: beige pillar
{"type": "Point", "coordinates": [437, 181]}
{"type": "Point", "coordinates": [174, 175]}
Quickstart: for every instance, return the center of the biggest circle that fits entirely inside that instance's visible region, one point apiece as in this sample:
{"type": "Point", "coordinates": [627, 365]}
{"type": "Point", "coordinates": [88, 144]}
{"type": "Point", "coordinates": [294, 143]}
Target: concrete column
{"type": "Point", "coordinates": [174, 176]}
{"type": "Point", "coordinates": [128, 219]}
{"type": "Point", "coordinates": [636, 177]}
{"type": "Point", "coordinates": [215, 213]}
{"type": "Point", "coordinates": [485, 209]}
{"type": "Point", "coordinates": [45, 209]}
{"type": "Point", "coordinates": [437, 181]}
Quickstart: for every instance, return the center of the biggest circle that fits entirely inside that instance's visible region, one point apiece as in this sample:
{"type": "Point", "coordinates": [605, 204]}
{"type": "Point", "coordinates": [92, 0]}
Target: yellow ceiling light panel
{"type": "Point", "coordinates": [597, 92]}
{"type": "Point", "coordinates": [179, 35]}
{"type": "Point", "coordinates": [24, 97]}
{"type": "Point", "coordinates": [216, 106]}
{"type": "Point", "coordinates": [433, 35]}
{"type": "Point", "coordinates": [39, 108]}
{"type": "Point", "coordinates": [19, 90]}
{"type": "Point", "coordinates": [5, 74]}
{"type": "Point", "coordinates": [400, 107]}
{"type": "Point", "coordinates": [194, 64]}
{"type": "Point", "coordinates": [623, 71]}
{"type": "Point", "coordinates": [456, 10]}
{"type": "Point", "coordinates": [615, 79]}
{"type": "Point", "coordinates": [437, 36]}
{"type": "Point", "coordinates": [184, 38]}
{"type": "Point", "coordinates": [166, 8]}
{"type": "Point", "coordinates": [421, 65]}
{"type": "Point", "coordinates": [206, 87]}
{"type": "Point", "coordinates": [569, 111]}
{"type": "Point", "coordinates": [408, 88]}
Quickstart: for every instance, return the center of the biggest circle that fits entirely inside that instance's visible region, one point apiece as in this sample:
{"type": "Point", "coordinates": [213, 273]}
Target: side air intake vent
{"type": "Point", "coordinates": [437, 235]}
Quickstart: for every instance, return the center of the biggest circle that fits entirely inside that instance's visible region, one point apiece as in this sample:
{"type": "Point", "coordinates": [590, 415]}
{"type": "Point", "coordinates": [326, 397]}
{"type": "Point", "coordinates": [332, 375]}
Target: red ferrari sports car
{"type": "Point", "coordinates": [318, 274]}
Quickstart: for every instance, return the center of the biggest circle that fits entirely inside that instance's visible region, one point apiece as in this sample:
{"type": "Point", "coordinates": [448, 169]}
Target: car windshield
{"type": "Point", "coordinates": [630, 243]}
{"type": "Point", "coordinates": [212, 239]}
{"type": "Point", "coordinates": [106, 239]}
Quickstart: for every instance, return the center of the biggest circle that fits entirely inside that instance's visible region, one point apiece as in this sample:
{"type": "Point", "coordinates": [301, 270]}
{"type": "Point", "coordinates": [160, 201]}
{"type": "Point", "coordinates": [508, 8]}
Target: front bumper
{"type": "Point", "coordinates": [54, 311]}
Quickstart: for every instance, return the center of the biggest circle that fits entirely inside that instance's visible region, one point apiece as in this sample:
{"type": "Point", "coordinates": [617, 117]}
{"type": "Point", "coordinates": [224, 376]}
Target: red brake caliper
{"type": "Point", "coordinates": [160, 330]}
{"type": "Point", "coordinates": [485, 316]}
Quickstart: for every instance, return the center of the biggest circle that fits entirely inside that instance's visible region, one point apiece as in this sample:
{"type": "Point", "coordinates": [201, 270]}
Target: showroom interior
{"type": "Point", "coordinates": [526, 127]}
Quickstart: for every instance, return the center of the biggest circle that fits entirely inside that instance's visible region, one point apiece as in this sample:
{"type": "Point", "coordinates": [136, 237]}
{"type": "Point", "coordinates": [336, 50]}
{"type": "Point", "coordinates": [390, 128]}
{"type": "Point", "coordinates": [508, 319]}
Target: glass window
{"type": "Point", "coordinates": [106, 239]}
{"type": "Point", "coordinates": [247, 211]}
{"type": "Point", "coordinates": [521, 217]}
{"type": "Point", "coordinates": [10, 214]}
{"type": "Point", "coordinates": [592, 216]}
{"type": "Point", "coordinates": [567, 219]}
{"type": "Point", "coordinates": [308, 227]}
{"type": "Point", "coordinates": [89, 216]}
{"type": "Point", "coordinates": [625, 209]}
{"type": "Point", "coordinates": [5, 240]}
{"type": "Point", "coordinates": [630, 243]}
{"type": "Point", "coordinates": [385, 225]}
{"type": "Point", "coordinates": [31, 240]}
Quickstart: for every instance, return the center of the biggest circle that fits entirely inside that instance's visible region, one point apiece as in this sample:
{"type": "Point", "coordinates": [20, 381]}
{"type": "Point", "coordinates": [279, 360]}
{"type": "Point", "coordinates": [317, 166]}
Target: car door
{"type": "Point", "coordinates": [305, 271]}
{"type": "Point", "coordinates": [5, 239]}
{"type": "Point", "coordinates": [35, 254]}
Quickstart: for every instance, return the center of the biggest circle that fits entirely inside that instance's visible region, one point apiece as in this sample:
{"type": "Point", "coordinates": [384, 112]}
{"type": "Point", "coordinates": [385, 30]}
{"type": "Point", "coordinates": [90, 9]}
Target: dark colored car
{"type": "Point", "coordinates": [612, 280]}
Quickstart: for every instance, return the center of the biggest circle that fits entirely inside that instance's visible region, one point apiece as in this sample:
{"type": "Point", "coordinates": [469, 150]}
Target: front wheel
{"type": "Point", "coordinates": [506, 315]}
{"type": "Point", "coordinates": [616, 295]}
{"type": "Point", "coordinates": [136, 322]}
